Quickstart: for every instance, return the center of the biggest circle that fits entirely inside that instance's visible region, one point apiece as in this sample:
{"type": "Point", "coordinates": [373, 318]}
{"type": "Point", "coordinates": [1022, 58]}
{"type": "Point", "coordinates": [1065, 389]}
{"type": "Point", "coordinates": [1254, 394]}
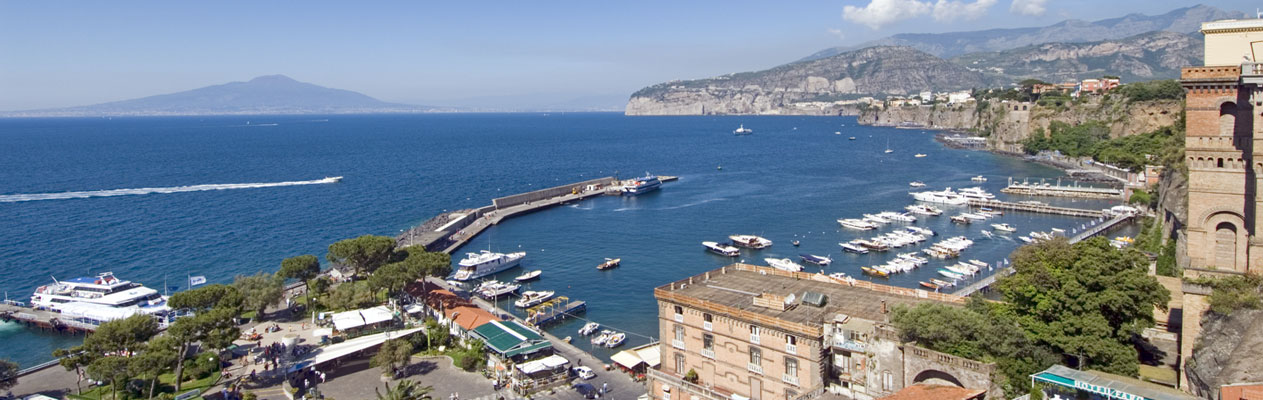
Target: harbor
{"type": "Point", "coordinates": [1059, 190]}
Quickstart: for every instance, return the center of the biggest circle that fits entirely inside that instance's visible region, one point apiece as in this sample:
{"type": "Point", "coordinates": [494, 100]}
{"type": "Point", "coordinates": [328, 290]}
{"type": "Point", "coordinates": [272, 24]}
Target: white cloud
{"type": "Point", "coordinates": [879, 13]}
{"type": "Point", "coordinates": [947, 10]}
{"type": "Point", "coordinates": [838, 33]}
{"type": "Point", "coordinates": [1029, 7]}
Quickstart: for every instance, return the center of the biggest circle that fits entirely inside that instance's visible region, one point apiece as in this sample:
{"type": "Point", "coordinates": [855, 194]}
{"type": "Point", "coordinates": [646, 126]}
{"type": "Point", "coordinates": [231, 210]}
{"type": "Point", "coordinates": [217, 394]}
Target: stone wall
{"type": "Point", "coordinates": [925, 365]}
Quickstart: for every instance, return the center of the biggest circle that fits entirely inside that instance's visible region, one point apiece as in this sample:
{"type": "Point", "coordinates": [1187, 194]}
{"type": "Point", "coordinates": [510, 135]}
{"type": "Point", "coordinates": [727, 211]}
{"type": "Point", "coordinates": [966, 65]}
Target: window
{"type": "Point", "coordinates": [679, 332]}
{"type": "Point", "coordinates": [708, 342]}
{"type": "Point", "coordinates": [791, 366]}
{"type": "Point", "coordinates": [842, 362]}
{"type": "Point", "coordinates": [708, 321]}
{"type": "Point", "coordinates": [887, 380]}
{"type": "Point", "coordinates": [756, 356]}
{"type": "Point", "coordinates": [679, 310]}
{"type": "Point", "coordinates": [754, 334]}
{"type": "Point", "coordinates": [791, 344]}
{"type": "Point", "coordinates": [679, 363]}
{"type": "Point", "coordinates": [679, 314]}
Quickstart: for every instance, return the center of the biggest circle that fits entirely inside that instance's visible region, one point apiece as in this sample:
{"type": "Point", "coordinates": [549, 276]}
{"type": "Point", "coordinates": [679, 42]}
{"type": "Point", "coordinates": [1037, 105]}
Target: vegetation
{"type": "Point", "coordinates": [1087, 300]}
{"type": "Point", "coordinates": [259, 291]}
{"type": "Point", "coordinates": [691, 376]}
{"type": "Point", "coordinates": [393, 355]}
{"type": "Point", "coordinates": [8, 374]}
{"type": "Point", "coordinates": [1150, 240]}
{"type": "Point", "coordinates": [404, 390]}
{"type": "Point", "coordinates": [1073, 141]}
{"type": "Point", "coordinates": [106, 353]}
{"type": "Point", "coordinates": [364, 254]}
{"type": "Point", "coordinates": [350, 296]}
{"type": "Point", "coordinates": [470, 358]}
{"type": "Point", "coordinates": [1232, 293]}
{"type": "Point", "coordinates": [214, 307]}
{"type": "Point", "coordinates": [1164, 145]}
{"type": "Point", "coordinates": [1151, 90]}
{"type": "Point", "coordinates": [1142, 198]}
{"type": "Point", "coordinates": [302, 268]}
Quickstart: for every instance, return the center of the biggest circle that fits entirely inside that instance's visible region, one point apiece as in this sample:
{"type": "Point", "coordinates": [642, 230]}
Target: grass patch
{"type": "Point", "coordinates": [166, 384]}
{"type": "Point", "coordinates": [1160, 374]}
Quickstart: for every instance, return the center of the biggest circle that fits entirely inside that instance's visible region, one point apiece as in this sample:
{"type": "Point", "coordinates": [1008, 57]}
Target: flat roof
{"type": "Point", "coordinates": [735, 286]}
{"type": "Point", "coordinates": [1110, 385]}
{"type": "Point", "coordinates": [511, 338]}
{"type": "Point", "coordinates": [1232, 24]}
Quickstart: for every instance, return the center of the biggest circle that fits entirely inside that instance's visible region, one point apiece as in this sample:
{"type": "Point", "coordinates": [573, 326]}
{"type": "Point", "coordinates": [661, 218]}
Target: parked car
{"type": "Point", "coordinates": [586, 390]}
{"type": "Point", "coordinates": [584, 372]}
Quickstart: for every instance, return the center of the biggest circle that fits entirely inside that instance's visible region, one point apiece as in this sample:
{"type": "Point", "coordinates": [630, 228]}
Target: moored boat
{"type": "Point", "coordinates": [529, 276]}
{"type": "Point", "coordinates": [642, 185]}
{"type": "Point", "coordinates": [589, 328]}
{"type": "Point", "coordinates": [615, 340]}
{"type": "Point", "coordinates": [1004, 227]}
{"type": "Point", "coordinates": [929, 285]}
{"type": "Point", "coordinates": [750, 241]}
{"type": "Point", "coordinates": [852, 247]}
{"type": "Point", "coordinates": [875, 272]}
{"type": "Point", "coordinates": [857, 224]}
{"type": "Point", "coordinates": [722, 249]}
{"type": "Point", "coordinates": [477, 265]}
{"type": "Point", "coordinates": [609, 263]}
{"type": "Point", "coordinates": [532, 298]}
{"type": "Point", "coordinates": [491, 290]}
{"type": "Point", "coordinates": [815, 259]}
{"type": "Point", "coordinates": [106, 295]}
{"type": "Point", "coordinates": [784, 264]}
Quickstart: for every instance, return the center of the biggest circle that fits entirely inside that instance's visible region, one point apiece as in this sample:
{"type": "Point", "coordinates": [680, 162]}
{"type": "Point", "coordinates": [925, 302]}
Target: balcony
{"type": "Point", "coordinates": [755, 368]}
{"type": "Point", "coordinates": [679, 318]}
{"type": "Point", "coordinates": [791, 348]}
{"type": "Point", "coordinates": [1251, 73]}
{"type": "Point", "coordinates": [852, 345]}
{"type": "Point", "coordinates": [677, 343]}
{"type": "Point", "coordinates": [708, 353]}
{"type": "Point", "coordinates": [681, 389]}
{"type": "Point", "coordinates": [754, 339]}
{"type": "Point", "coordinates": [790, 379]}
{"type": "Point", "coordinates": [707, 326]}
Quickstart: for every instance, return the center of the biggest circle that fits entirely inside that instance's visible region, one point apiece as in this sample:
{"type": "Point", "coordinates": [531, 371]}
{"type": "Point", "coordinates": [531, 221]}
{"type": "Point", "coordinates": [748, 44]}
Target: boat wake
{"type": "Point", "coordinates": [11, 198]}
{"type": "Point", "coordinates": [695, 203]}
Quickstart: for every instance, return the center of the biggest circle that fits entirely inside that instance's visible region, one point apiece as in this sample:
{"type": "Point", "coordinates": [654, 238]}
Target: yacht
{"type": "Point", "coordinates": [100, 292]}
{"type": "Point", "coordinates": [491, 290]}
{"type": "Point", "coordinates": [946, 196]}
{"type": "Point", "coordinates": [960, 219]}
{"type": "Point", "coordinates": [924, 209]}
{"type": "Point", "coordinates": [532, 298]}
{"type": "Point", "coordinates": [852, 247]}
{"type": "Point", "coordinates": [877, 219]}
{"type": "Point", "coordinates": [784, 264]}
{"type": "Point", "coordinates": [477, 265]}
{"type": "Point", "coordinates": [859, 224]}
{"type": "Point", "coordinates": [742, 130]}
{"type": "Point", "coordinates": [1004, 227]}
{"type": "Point", "coordinates": [642, 185]}
{"type": "Point", "coordinates": [750, 241]}
{"type": "Point", "coordinates": [976, 193]}
{"type": "Point", "coordinates": [722, 249]}
{"type": "Point", "coordinates": [920, 231]}
{"type": "Point", "coordinates": [610, 263]}
{"type": "Point", "coordinates": [529, 276]}
{"type": "Point", "coordinates": [916, 184]}
{"type": "Point", "coordinates": [815, 259]}
{"type": "Point", "coordinates": [894, 216]}
{"type": "Point", "coordinates": [979, 178]}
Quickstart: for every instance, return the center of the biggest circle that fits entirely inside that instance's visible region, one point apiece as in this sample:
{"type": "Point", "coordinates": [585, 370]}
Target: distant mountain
{"type": "Point", "coordinates": [874, 70]}
{"type": "Point", "coordinates": [1183, 20]}
{"type": "Point", "coordinates": [1148, 56]}
{"type": "Point", "coordinates": [271, 94]}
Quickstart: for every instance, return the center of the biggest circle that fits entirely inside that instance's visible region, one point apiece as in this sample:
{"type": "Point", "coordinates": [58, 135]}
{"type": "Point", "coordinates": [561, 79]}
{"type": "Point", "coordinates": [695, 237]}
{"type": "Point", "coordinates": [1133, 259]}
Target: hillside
{"type": "Point", "coordinates": [1148, 56]}
{"type": "Point", "coordinates": [891, 70]}
{"type": "Point", "coordinates": [1183, 20]}
{"type": "Point", "coordinates": [272, 94]}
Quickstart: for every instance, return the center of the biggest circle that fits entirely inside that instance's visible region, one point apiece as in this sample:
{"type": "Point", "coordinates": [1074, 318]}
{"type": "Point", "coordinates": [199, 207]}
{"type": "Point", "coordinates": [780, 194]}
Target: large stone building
{"type": "Point", "coordinates": [752, 332]}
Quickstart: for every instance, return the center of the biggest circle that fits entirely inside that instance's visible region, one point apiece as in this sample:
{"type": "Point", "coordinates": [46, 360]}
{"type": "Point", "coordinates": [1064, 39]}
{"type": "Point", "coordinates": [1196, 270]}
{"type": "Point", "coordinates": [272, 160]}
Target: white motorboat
{"type": "Point", "coordinates": [722, 249]}
{"type": "Point", "coordinates": [920, 155]}
{"type": "Point", "coordinates": [1025, 239]}
{"type": "Point", "coordinates": [920, 231]}
{"type": "Point", "coordinates": [854, 248]}
{"type": "Point", "coordinates": [1004, 227]}
{"type": "Point", "coordinates": [589, 328]}
{"type": "Point", "coordinates": [615, 340]}
{"type": "Point", "coordinates": [924, 209]}
{"type": "Point", "coordinates": [815, 259]}
{"type": "Point", "coordinates": [477, 265]}
{"type": "Point", "coordinates": [877, 219]}
{"type": "Point", "coordinates": [600, 340]}
{"type": "Point", "coordinates": [979, 178]}
{"type": "Point", "coordinates": [976, 193]}
{"type": "Point", "coordinates": [899, 217]}
{"type": "Point", "coordinates": [494, 289]}
{"type": "Point", "coordinates": [750, 241]}
{"type": "Point", "coordinates": [784, 264]}
{"type": "Point", "coordinates": [986, 234]}
{"type": "Point", "coordinates": [974, 217]}
{"type": "Point", "coordinates": [742, 130]}
{"type": "Point", "coordinates": [529, 276]}
{"type": "Point", "coordinates": [960, 219]}
{"type": "Point", "coordinates": [858, 224]}
{"type": "Point", "coordinates": [946, 196]}
{"type": "Point", "coordinates": [980, 264]}
{"type": "Point", "coordinates": [916, 184]}
{"type": "Point", "coordinates": [533, 298]}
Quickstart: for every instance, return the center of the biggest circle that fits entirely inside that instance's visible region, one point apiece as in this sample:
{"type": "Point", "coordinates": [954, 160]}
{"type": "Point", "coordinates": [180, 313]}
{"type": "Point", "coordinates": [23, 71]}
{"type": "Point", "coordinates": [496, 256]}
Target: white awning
{"type": "Point", "coordinates": [333, 352]}
{"type": "Point", "coordinates": [627, 358]}
{"type": "Point", "coordinates": [376, 314]}
{"type": "Point", "coordinates": [322, 332]}
{"type": "Point", "coordinates": [96, 312]}
{"type": "Point", "coordinates": [652, 355]}
{"type": "Point", "coordinates": [414, 308]}
{"type": "Point", "coordinates": [357, 318]}
{"type": "Point", "coordinates": [551, 362]}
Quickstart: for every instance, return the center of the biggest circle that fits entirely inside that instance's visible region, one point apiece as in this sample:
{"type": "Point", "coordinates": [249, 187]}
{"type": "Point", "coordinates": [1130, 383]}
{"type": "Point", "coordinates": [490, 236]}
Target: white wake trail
{"type": "Point", "coordinates": [10, 198]}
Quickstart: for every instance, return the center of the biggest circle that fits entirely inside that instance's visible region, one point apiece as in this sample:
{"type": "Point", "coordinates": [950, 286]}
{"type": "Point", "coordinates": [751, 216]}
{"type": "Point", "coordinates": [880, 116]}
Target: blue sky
{"type": "Point", "coordinates": [56, 54]}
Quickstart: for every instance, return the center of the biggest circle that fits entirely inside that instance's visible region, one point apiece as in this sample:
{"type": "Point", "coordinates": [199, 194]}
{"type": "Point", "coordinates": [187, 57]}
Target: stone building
{"type": "Point", "coordinates": [753, 332]}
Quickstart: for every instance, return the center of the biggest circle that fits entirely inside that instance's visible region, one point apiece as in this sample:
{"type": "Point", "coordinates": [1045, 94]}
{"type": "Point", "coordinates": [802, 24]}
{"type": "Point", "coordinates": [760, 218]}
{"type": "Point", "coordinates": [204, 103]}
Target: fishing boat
{"type": "Point", "coordinates": [815, 259]}
{"type": "Point", "coordinates": [750, 241]}
{"type": "Point", "coordinates": [941, 283]}
{"type": "Point", "coordinates": [722, 249]}
{"type": "Point", "coordinates": [1004, 227]}
{"type": "Point", "coordinates": [929, 285]}
{"type": "Point", "coordinates": [742, 130]}
{"type": "Point", "coordinates": [529, 276]}
{"type": "Point", "coordinates": [532, 298]}
{"type": "Point", "coordinates": [495, 289]}
{"type": "Point", "coordinates": [916, 184]}
{"type": "Point", "coordinates": [875, 272]}
{"type": "Point", "coordinates": [589, 328]}
{"type": "Point", "coordinates": [784, 264]}
{"type": "Point", "coordinates": [609, 263]}
{"type": "Point", "coordinates": [857, 224]}
{"type": "Point", "coordinates": [979, 178]}
{"type": "Point", "coordinates": [852, 247]}
{"type": "Point", "coordinates": [615, 340]}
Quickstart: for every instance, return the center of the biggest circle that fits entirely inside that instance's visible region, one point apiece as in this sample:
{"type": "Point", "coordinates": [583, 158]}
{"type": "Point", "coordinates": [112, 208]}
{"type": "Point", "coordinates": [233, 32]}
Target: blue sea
{"type": "Point", "coordinates": [159, 199]}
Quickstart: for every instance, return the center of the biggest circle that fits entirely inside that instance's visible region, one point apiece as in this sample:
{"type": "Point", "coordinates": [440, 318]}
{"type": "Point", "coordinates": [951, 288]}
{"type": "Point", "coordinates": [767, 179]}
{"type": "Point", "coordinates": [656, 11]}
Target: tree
{"type": "Point", "coordinates": [302, 268]}
{"type": "Point", "coordinates": [392, 277]}
{"type": "Point", "coordinates": [349, 296]}
{"type": "Point", "coordinates": [259, 291]}
{"type": "Point", "coordinates": [392, 355]}
{"type": "Point", "coordinates": [1088, 300]}
{"type": "Point", "coordinates": [112, 369]}
{"type": "Point", "coordinates": [8, 374]}
{"type": "Point", "coordinates": [215, 308]}
{"type": "Point", "coordinates": [112, 344]}
{"type": "Point", "coordinates": [426, 263]}
{"type": "Point", "coordinates": [404, 390]}
{"type": "Point", "coordinates": [74, 359]}
{"type": "Point", "coordinates": [364, 254]}
{"type": "Point", "coordinates": [436, 334]}
{"type": "Point", "coordinates": [157, 358]}
{"type": "Point", "coordinates": [206, 298]}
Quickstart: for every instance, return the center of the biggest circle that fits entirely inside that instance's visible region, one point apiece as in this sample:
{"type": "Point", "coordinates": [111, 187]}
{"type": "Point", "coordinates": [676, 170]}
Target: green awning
{"type": "Point", "coordinates": [510, 338]}
{"type": "Point", "coordinates": [1108, 385]}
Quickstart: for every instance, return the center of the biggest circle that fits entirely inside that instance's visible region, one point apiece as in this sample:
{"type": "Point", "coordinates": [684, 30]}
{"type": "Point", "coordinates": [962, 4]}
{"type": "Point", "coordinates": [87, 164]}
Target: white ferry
{"type": "Point", "coordinates": [105, 295]}
{"type": "Point", "coordinates": [477, 265]}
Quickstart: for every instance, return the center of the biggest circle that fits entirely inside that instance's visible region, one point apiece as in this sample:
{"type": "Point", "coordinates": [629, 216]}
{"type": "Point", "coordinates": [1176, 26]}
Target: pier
{"type": "Point", "coordinates": [554, 310]}
{"type": "Point", "coordinates": [1059, 190]}
{"type": "Point", "coordinates": [1038, 208]}
{"type": "Point", "coordinates": [449, 231]}
{"type": "Point", "coordinates": [1091, 231]}
{"type": "Point", "coordinates": [44, 320]}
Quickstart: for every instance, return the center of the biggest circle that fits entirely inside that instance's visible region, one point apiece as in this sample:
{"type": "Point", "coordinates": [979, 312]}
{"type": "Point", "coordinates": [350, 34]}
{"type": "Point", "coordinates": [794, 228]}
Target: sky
{"type": "Point", "coordinates": [61, 54]}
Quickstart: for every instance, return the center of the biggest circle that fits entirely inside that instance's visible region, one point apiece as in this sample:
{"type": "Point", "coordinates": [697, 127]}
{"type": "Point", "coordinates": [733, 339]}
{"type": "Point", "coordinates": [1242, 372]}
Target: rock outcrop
{"type": "Point", "coordinates": [1149, 56]}
{"type": "Point", "coordinates": [1226, 352]}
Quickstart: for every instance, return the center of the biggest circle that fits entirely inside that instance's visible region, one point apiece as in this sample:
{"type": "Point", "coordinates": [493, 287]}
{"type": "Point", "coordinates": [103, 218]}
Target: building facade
{"type": "Point", "coordinates": [752, 332]}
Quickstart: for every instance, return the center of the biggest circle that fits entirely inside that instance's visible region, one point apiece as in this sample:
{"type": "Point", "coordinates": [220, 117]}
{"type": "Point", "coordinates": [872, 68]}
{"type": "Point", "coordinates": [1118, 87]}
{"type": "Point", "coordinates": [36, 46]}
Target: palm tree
{"type": "Point", "coordinates": [405, 390]}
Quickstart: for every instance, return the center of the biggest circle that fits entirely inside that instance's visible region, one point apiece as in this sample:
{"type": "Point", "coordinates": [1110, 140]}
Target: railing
{"type": "Point", "coordinates": [852, 345]}
{"type": "Point", "coordinates": [708, 353]}
{"type": "Point", "coordinates": [679, 318]}
{"type": "Point", "coordinates": [811, 394]}
{"type": "Point", "coordinates": [707, 325]}
{"type": "Point", "coordinates": [754, 339]}
{"type": "Point", "coordinates": [755, 368]}
{"type": "Point", "coordinates": [790, 379]}
{"type": "Point", "coordinates": [1251, 68]}
{"type": "Point", "coordinates": [791, 348]}
{"type": "Point", "coordinates": [677, 343]}
{"type": "Point", "coordinates": [38, 367]}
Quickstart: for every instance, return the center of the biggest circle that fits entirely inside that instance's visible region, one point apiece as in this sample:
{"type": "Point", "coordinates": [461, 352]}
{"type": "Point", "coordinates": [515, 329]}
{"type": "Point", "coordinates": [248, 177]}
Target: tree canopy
{"type": "Point", "coordinates": [1087, 300]}
{"type": "Point", "coordinates": [364, 254]}
{"type": "Point", "coordinates": [259, 291]}
{"type": "Point", "coordinates": [392, 355]}
{"type": "Point", "coordinates": [302, 267]}
{"type": "Point", "coordinates": [350, 295]}
{"type": "Point", "coordinates": [8, 374]}
{"type": "Point", "coordinates": [426, 263]}
{"type": "Point", "coordinates": [206, 297]}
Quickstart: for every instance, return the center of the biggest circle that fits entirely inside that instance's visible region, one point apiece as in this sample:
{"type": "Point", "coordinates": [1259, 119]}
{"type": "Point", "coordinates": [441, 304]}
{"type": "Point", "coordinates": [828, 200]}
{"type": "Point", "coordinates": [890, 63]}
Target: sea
{"type": "Point", "coordinates": [159, 199]}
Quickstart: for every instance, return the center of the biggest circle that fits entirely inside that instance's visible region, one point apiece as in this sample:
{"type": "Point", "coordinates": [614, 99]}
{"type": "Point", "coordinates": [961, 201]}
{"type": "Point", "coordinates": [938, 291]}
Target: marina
{"type": "Point", "coordinates": [1059, 190]}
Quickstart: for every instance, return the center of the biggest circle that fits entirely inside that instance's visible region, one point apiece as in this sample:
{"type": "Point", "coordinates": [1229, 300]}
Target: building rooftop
{"type": "Point", "coordinates": [732, 290]}
{"type": "Point", "coordinates": [1105, 383]}
{"type": "Point", "coordinates": [511, 338]}
{"type": "Point", "coordinates": [469, 317]}
{"type": "Point", "coordinates": [1231, 24]}
{"type": "Point", "coordinates": [936, 392]}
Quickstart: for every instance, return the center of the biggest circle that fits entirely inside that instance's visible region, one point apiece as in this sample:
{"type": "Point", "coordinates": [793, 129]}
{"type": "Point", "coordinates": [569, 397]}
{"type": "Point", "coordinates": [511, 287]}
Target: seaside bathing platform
{"type": "Point", "coordinates": [1059, 190]}
{"type": "Point", "coordinates": [449, 231]}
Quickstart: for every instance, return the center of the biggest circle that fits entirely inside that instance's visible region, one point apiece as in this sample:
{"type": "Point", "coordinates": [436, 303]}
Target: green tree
{"type": "Point", "coordinates": [393, 355]}
{"type": "Point", "coordinates": [215, 308]}
{"type": "Point", "coordinates": [318, 287]}
{"type": "Point", "coordinates": [112, 369]}
{"type": "Point", "coordinates": [392, 278]}
{"type": "Point", "coordinates": [1232, 293]}
{"type": "Point", "coordinates": [1088, 300]}
{"type": "Point", "coordinates": [8, 374]}
{"type": "Point", "coordinates": [74, 359]}
{"type": "Point", "coordinates": [302, 268]}
{"type": "Point", "coordinates": [364, 254]}
{"type": "Point", "coordinates": [206, 298]}
{"type": "Point", "coordinates": [427, 263]}
{"type": "Point", "coordinates": [259, 291]}
{"type": "Point", "coordinates": [350, 295]}
{"type": "Point", "coordinates": [436, 334]}
{"type": "Point", "coordinates": [158, 358]}
{"type": "Point", "coordinates": [111, 345]}
{"type": "Point", "coordinates": [404, 390]}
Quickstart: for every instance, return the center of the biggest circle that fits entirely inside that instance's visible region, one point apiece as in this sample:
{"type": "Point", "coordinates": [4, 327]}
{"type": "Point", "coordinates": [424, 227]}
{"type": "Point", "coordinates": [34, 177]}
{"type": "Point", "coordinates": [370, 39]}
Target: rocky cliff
{"type": "Point", "coordinates": [1148, 56]}
{"type": "Point", "coordinates": [1007, 124]}
{"type": "Point", "coordinates": [1227, 351]}
{"type": "Point", "coordinates": [808, 87]}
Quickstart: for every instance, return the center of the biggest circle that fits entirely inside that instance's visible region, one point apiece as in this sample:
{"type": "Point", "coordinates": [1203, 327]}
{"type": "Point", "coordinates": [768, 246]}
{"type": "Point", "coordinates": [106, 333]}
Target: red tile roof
{"type": "Point", "coordinates": [935, 392]}
{"type": "Point", "coordinates": [469, 317]}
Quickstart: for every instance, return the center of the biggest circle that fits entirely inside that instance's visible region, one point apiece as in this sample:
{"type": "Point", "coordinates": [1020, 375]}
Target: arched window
{"type": "Point", "coordinates": [1227, 118]}
{"type": "Point", "coordinates": [1221, 162]}
{"type": "Point", "coordinates": [1226, 245]}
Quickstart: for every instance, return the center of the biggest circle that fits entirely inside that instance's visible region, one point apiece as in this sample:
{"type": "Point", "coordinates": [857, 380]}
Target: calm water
{"type": "Point", "coordinates": [790, 180]}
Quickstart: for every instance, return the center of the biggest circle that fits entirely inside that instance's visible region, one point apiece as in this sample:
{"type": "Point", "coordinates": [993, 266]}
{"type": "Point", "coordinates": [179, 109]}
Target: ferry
{"type": "Point", "coordinates": [946, 196]}
{"type": "Point", "coordinates": [610, 263]}
{"type": "Point", "coordinates": [532, 298]}
{"type": "Point", "coordinates": [477, 265]}
{"type": "Point", "coordinates": [642, 185]}
{"type": "Point", "coordinates": [742, 130]}
{"type": "Point", "coordinates": [815, 259]}
{"type": "Point", "coordinates": [722, 249]}
{"type": "Point", "coordinates": [852, 247]}
{"type": "Point", "coordinates": [100, 292]}
{"type": "Point", "coordinates": [784, 264]}
{"type": "Point", "coordinates": [750, 241]}
{"type": "Point", "coordinates": [858, 224]}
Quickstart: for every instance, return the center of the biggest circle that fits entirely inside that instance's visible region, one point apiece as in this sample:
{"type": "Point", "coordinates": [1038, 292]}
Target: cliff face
{"type": "Point", "coordinates": [1149, 56]}
{"type": "Point", "coordinates": [1007, 124]}
{"type": "Point", "coordinates": [809, 86]}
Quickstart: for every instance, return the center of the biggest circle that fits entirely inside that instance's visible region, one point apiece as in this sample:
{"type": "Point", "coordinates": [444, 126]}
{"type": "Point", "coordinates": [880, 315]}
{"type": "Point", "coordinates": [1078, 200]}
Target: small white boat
{"type": "Point", "coordinates": [494, 289]}
{"type": "Point", "coordinates": [858, 224]}
{"type": "Point", "coordinates": [987, 234]}
{"type": "Point", "coordinates": [600, 340]}
{"type": "Point", "coordinates": [980, 264]}
{"type": "Point", "coordinates": [722, 249]}
{"type": "Point", "coordinates": [815, 259]}
{"type": "Point", "coordinates": [874, 218]}
{"type": "Point", "coordinates": [589, 328]}
{"type": "Point", "coordinates": [609, 263]}
{"type": "Point", "coordinates": [615, 340]}
{"type": "Point", "coordinates": [532, 298]}
{"type": "Point", "coordinates": [529, 276]}
{"type": "Point", "coordinates": [854, 248]}
{"type": "Point", "coordinates": [1004, 227]}
{"type": "Point", "coordinates": [851, 138]}
{"type": "Point", "coordinates": [743, 130]}
{"type": "Point", "coordinates": [1025, 239]}
{"type": "Point", "coordinates": [750, 241]}
{"type": "Point", "coordinates": [888, 151]}
{"type": "Point", "coordinates": [784, 264]}
{"type": "Point", "coordinates": [916, 184]}
{"type": "Point", "coordinates": [979, 178]}
{"type": "Point", "coordinates": [920, 155]}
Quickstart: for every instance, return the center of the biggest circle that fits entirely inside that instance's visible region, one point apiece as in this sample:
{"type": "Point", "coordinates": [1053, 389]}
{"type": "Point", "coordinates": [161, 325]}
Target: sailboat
{"type": "Point", "coordinates": [888, 150]}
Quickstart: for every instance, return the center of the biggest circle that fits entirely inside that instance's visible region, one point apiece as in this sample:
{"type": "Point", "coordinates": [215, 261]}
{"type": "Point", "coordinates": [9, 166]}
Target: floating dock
{"type": "Point", "coordinates": [1059, 190]}
{"type": "Point", "coordinates": [44, 320]}
{"type": "Point", "coordinates": [554, 310]}
{"type": "Point", "coordinates": [1038, 208]}
{"type": "Point", "coordinates": [449, 231]}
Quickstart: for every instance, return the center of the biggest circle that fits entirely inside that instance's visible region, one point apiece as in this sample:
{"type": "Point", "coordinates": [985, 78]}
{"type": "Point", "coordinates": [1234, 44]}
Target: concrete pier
{"type": "Point", "coordinates": [1059, 190]}
{"type": "Point", "coordinates": [45, 320]}
{"type": "Point", "coordinates": [1038, 208]}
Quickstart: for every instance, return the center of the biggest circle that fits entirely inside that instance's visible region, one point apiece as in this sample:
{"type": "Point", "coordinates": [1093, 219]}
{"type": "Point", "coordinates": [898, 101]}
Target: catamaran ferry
{"type": "Point", "coordinates": [477, 265]}
{"type": "Point", "coordinates": [106, 296]}
{"type": "Point", "coordinates": [643, 185]}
